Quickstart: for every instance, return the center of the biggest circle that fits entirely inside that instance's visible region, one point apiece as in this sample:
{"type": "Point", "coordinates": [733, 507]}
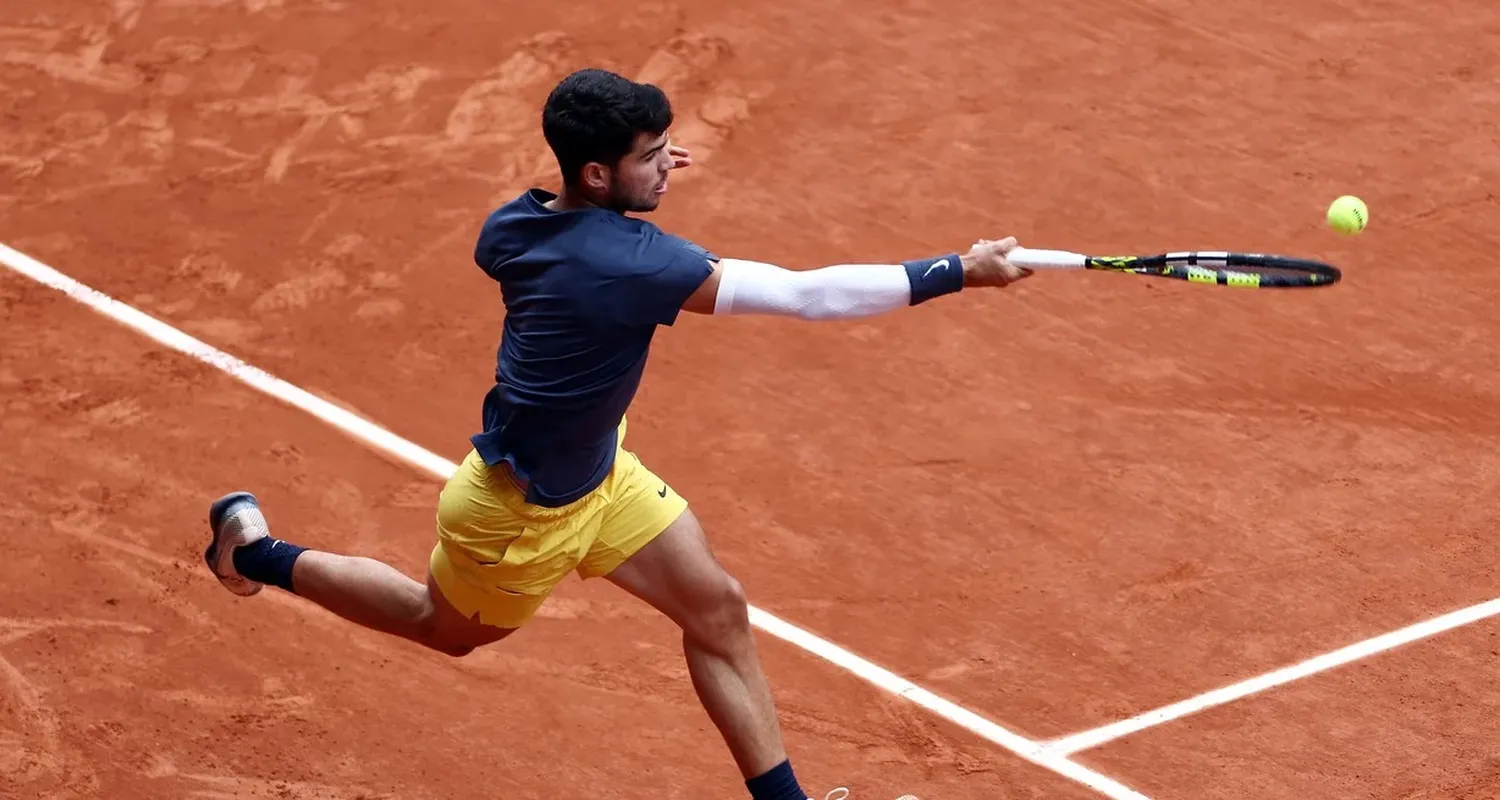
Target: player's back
{"type": "Point", "coordinates": [584, 291]}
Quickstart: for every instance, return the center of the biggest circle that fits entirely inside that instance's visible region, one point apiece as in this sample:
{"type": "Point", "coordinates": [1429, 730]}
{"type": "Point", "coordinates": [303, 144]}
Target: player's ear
{"type": "Point", "coordinates": [595, 176]}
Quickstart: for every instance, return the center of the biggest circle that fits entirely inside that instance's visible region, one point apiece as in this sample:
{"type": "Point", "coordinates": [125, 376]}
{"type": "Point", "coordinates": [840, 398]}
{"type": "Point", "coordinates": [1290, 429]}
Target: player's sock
{"type": "Point", "coordinates": [267, 560]}
{"type": "Point", "coordinates": [777, 783]}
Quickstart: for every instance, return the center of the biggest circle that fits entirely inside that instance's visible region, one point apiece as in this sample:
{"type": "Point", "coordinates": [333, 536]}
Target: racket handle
{"type": "Point", "coordinates": [1045, 259]}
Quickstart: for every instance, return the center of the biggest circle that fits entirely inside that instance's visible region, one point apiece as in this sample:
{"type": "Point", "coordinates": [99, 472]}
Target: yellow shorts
{"type": "Point", "coordinates": [499, 556]}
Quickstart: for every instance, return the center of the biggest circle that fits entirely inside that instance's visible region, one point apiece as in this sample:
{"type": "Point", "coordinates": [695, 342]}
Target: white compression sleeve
{"type": "Point", "coordinates": [841, 291]}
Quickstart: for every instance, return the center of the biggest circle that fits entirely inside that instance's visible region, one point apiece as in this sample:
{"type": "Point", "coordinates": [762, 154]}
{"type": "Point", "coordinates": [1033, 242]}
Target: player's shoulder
{"type": "Point", "coordinates": [594, 240]}
{"type": "Point", "coordinates": [616, 244]}
{"type": "Point", "coordinates": [521, 227]}
{"type": "Point", "coordinates": [642, 248]}
{"type": "Point", "coordinates": [525, 215]}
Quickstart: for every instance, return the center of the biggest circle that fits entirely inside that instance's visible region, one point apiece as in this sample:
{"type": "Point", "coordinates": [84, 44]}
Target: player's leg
{"type": "Point", "coordinates": [678, 575]}
{"type": "Point", "coordinates": [362, 590]}
{"type": "Point", "coordinates": [495, 562]}
{"type": "Point", "coordinates": [375, 595]}
{"type": "Point", "coordinates": [652, 546]}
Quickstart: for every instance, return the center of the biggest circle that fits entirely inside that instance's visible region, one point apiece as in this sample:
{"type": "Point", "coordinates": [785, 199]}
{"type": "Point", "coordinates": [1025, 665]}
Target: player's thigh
{"type": "Point", "coordinates": [497, 558]}
{"type": "Point", "coordinates": [638, 507]}
{"type": "Point", "coordinates": [671, 566]}
{"type": "Point", "coordinates": [677, 574]}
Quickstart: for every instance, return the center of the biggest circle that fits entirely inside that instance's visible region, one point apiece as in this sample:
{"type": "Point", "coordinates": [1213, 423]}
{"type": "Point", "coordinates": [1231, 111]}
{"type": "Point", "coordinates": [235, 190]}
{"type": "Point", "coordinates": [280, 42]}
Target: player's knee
{"type": "Point", "coordinates": [430, 632]}
{"type": "Point", "coordinates": [722, 621]}
{"type": "Point", "coordinates": [434, 637]}
{"type": "Point", "coordinates": [455, 649]}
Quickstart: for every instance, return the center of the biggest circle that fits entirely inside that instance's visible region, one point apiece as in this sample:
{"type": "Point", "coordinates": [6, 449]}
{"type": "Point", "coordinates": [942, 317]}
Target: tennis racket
{"type": "Point", "coordinates": [1247, 270]}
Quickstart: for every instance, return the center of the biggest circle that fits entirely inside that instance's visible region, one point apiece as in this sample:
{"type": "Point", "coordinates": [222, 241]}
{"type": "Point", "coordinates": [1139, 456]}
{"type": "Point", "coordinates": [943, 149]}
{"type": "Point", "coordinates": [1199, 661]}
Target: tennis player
{"type": "Point", "coordinates": [548, 487]}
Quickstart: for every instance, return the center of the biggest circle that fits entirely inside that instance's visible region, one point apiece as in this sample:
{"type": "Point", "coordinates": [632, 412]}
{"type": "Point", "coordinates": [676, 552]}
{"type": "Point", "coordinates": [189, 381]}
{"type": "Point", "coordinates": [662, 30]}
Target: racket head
{"type": "Point", "coordinates": [1223, 268]}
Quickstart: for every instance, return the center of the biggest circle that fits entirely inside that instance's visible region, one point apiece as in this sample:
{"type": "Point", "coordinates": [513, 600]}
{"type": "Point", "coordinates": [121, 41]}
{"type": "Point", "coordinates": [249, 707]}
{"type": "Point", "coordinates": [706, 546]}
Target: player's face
{"type": "Point", "coordinates": [640, 179]}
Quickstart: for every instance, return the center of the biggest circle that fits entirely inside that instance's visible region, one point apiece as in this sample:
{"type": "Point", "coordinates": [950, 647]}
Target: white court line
{"type": "Point", "coordinates": [1084, 740]}
{"type": "Point", "coordinates": [442, 468]}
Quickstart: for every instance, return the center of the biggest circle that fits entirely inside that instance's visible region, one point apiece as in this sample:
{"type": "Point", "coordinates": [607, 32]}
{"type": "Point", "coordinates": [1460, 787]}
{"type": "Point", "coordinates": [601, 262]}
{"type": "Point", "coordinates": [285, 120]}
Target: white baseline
{"type": "Point", "coordinates": [442, 468]}
{"type": "Point", "coordinates": [1084, 740]}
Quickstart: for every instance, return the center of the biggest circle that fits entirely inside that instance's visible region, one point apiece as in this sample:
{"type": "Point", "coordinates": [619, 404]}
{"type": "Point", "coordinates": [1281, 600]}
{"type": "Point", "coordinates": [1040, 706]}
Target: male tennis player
{"type": "Point", "coordinates": [548, 487]}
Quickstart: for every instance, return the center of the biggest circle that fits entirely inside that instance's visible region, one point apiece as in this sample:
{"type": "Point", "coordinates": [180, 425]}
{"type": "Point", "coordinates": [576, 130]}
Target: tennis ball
{"type": "Point", "coordinates": [1348, 215]}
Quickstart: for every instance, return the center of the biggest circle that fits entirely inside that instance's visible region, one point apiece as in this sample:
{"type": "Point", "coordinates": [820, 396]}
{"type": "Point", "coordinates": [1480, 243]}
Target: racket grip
{"type": "Point", "coordinates": [1045, 259]}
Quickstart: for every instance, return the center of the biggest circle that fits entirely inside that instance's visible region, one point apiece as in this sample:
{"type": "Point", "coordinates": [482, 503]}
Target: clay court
{"type": "Point", "coordinates": [1053, 508]}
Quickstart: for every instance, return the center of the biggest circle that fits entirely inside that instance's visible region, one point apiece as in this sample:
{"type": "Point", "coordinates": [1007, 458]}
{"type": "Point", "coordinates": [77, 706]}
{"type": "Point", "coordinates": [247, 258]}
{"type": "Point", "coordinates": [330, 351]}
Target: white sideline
{"type": "Point", "coordinates": [1085, 740]}
{"type": "Point", "coordinates": [442, 468]}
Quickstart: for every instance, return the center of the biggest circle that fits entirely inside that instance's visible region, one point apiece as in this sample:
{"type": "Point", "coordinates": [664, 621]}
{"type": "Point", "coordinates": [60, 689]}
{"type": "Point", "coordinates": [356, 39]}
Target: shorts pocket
{"type": "Point", "coordinates": [546, 548]}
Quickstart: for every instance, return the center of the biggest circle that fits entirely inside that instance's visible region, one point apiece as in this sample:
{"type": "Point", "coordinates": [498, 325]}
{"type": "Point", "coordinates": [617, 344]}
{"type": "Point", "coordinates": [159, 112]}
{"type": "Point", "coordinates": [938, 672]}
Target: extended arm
{"type": "Point", "coordinates": [845, 291]}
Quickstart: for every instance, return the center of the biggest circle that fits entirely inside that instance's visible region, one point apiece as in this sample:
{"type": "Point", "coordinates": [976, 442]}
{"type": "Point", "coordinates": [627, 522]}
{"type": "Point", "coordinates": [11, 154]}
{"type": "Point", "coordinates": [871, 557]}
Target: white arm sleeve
{"type": "Point", "coordinates": [842, 291]}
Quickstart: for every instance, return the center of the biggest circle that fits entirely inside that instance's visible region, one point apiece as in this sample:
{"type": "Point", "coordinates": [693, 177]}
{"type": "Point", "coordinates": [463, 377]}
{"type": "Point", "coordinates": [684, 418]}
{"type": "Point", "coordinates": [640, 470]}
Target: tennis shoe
{"type": "Point", "coordinates": [235, 521]}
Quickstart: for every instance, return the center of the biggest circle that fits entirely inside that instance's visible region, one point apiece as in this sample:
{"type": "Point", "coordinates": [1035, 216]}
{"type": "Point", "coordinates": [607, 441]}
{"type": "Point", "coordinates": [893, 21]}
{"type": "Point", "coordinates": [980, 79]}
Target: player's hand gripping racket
{"type": "Point", "coordinates": [1249, 270]}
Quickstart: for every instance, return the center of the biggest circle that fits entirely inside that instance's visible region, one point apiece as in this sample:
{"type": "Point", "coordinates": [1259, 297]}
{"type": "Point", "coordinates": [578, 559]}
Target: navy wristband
{"type": "Point", "coordinates": [934, 277]}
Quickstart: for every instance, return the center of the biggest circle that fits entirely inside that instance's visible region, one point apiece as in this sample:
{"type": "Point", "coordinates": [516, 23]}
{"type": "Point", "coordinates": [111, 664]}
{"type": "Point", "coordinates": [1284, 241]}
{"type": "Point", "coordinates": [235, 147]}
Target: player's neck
{"type": "Point", "coordinates": [571, 200]}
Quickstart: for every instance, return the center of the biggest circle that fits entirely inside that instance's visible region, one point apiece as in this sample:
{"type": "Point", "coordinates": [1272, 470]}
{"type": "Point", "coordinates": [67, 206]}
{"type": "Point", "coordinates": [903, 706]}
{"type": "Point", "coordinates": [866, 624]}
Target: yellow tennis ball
{"type": "Point", "coordinates": [1348, 215]}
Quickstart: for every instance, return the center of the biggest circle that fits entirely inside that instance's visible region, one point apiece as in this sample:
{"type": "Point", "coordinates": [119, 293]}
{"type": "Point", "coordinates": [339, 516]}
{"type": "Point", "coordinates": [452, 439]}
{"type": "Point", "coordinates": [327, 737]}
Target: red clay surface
{"type": "Point", "coordinates": [1416, 723]}
{"type": "Point", "coordinates": [1058, 506]}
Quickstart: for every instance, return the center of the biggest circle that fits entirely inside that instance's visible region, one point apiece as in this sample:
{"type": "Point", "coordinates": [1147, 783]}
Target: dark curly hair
{"type": "Point", "coordinates": [595, 115]}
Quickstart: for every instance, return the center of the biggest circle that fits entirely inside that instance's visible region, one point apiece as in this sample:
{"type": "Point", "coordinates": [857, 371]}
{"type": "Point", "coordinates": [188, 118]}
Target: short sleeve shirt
{"type": "Point", "coordinates": [584, 292]}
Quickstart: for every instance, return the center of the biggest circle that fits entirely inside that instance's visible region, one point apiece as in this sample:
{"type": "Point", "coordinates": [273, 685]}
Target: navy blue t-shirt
{"type": "Point", "coordinates": [584, 291]}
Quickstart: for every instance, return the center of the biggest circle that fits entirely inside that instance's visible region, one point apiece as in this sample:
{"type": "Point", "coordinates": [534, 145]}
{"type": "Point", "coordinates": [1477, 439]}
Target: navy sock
{"type": "Point", "coordinates": [268, 561]}
{"type": "Point", "coordinates": [777, 783]}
